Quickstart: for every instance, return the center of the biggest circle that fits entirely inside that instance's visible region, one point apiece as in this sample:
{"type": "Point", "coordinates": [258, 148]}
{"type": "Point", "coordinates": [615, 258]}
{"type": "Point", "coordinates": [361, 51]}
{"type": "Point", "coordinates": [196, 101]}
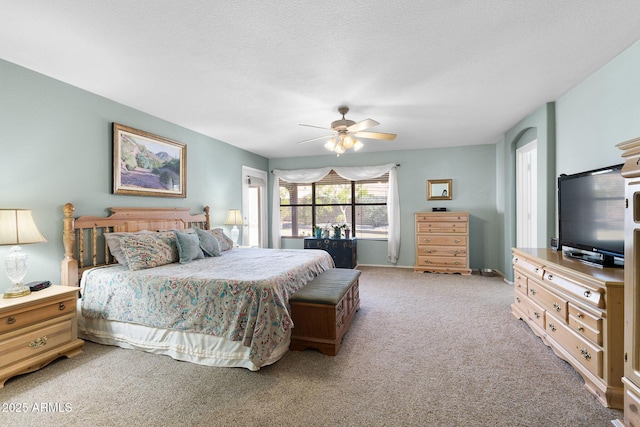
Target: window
{"type": "Point", "coordinates": [335, 200]}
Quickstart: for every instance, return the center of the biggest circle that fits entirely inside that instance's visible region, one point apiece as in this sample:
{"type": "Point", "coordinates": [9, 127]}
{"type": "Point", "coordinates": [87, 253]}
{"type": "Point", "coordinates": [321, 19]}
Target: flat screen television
{"type": "Point", "coordinates": [591, 216]}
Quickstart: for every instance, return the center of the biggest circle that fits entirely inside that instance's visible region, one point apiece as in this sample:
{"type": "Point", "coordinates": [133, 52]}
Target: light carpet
{"type": "Point", "coordinates": [424, 350]}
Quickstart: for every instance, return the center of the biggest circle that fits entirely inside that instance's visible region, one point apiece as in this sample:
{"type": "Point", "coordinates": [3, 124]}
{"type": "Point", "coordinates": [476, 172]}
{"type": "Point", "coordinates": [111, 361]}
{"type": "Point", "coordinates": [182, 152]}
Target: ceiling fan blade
{"type": "Point", "coordinates": [312, 126]}
{"type": "Point", "coordinates": [376, 135]}
{"type": "Point", "coordinates": [315, 139]}
{"type": "Point", "coordinates": [365, 124]}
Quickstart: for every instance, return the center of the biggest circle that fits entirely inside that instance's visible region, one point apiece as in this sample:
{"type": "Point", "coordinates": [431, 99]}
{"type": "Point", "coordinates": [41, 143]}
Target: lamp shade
{"type": "Point", "coordinates": [17, 227]}
{"type": "Point", "coordinates": [234, 217]}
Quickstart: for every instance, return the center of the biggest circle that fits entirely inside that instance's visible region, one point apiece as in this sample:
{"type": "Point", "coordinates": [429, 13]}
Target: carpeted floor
{"type": "Point", "coordinates": [424, 350]}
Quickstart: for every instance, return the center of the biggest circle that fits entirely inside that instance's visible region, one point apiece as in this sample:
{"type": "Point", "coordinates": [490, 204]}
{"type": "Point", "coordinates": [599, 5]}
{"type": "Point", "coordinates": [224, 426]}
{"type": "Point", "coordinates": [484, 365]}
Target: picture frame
{"type": "Point", "coordinates": [145, 164]}
{"type": "Point", "coordinates": [439, 189]}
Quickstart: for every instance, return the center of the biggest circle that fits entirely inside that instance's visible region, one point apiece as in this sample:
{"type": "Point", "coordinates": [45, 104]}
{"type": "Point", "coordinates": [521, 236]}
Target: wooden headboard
{"type": "Point", "coordinates": [83, 237]}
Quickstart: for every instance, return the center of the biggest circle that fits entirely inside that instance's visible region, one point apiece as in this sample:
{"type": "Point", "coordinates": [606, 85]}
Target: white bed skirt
{"type": "Point", "coordinates": [186, 346]}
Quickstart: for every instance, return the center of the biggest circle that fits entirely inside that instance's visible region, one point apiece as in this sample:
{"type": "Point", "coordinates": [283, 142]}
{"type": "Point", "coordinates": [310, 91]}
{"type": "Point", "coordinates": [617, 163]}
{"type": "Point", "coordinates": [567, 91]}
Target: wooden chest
{"type": "Point", "coordinates": [322, 313]}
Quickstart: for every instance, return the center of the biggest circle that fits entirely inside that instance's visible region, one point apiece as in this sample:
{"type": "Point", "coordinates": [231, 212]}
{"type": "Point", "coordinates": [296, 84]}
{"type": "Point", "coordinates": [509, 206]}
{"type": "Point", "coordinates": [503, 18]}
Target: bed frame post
{"type": "Point", "coordinates": [69, 265]}
{"type": "Point", "coordinates": [207, 224]}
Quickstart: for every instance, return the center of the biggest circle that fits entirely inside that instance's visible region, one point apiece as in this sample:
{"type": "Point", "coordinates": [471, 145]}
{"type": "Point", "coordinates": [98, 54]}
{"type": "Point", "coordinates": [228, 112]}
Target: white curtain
{"type": "Point", "coordinates": [357, 173]}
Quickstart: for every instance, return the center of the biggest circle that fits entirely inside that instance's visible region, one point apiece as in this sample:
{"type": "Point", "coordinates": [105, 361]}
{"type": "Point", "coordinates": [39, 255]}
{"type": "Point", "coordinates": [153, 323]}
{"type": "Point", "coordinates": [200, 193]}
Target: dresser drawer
{"type": "Point", "coordinates": [552, 303]}
{"type": "Point", "coordinates": [441, 217]}
{"type": "Point", "coordinates": [585, 324]}
{"type": "Point", "coordinates": [36, 313]}
{"type": "Point", "coordinates": [441, 261]}
{"type": "Point", "coordinates": [441, 240]}
{"type": "Point", "coordinates": [442, 250]}
{"type": "Point", "coordinates": [529, 267]}
{"type": "Point", "coordinates": [37, 339]}
{"type": "Point", "coordinates": [631, 408]}
{"type": "Point", "coordinates": [520, 282]}
{"type": "Point", "coordinates": [586, 353]}
{"type": "Point", "coordinates": [442, 227]}
{"type": "Point", "coordinates": [534, 312]}
{"type": "Point", "coordinates": [592, 296]}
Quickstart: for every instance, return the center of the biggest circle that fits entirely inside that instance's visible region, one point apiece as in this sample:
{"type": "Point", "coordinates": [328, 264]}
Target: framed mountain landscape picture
{"type": "Point", "coordinates": [148, 165]}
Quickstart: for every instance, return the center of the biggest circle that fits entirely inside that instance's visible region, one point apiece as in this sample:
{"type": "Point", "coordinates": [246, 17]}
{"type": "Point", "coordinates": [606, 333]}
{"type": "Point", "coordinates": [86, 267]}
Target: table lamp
{"type": "Point", "coordinates": [234, 217]}
{"type": "Point", "coordinates": [17, 228]}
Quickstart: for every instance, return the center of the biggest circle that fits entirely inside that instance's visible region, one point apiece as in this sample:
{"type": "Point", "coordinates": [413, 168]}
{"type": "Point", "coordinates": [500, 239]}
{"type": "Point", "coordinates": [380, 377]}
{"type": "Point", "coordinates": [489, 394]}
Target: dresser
{"type": "Point", "coordinates": [442, 242]}
{"type": "Point", "coordinates": [343, 251]}
{"type": "Point", "coordinates": [37, 329]}
{"type": "Point", "coordinates": [577, 310]}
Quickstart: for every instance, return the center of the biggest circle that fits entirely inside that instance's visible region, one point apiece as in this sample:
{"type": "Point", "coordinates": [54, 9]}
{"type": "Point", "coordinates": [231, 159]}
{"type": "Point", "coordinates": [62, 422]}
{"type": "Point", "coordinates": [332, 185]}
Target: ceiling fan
{"type": "Point", "coordinates": [347, 132]}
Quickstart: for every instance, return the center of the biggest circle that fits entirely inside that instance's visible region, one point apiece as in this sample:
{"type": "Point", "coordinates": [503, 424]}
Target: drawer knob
{"type": "Point", "coordinates": [552, 326]}
{"type": "Point", "coordinates": [427, 240]}
{"type": "Point", "coordinates": [580, 329]}
{"type": "Point", "coordinates": [11, 320]}
{"type": "Point", "coordinates": [536, 269]}
{"type": "Point", "coordinates": [38, 342]}
{"type": "Point", "coordinates": [580, 316]}
{"type": "Point", "coordinates": [457, 241]}
{"type": "Point", "coordinates": [533, 291]}
{"type": "Point", "coordinates": [518, 299]}
{"type": "Point", "coordinates": [550, 276]}
{"type": "Point", "coordinates": [535, 313]}
{"type": "Point", "coordinates": [61, 306]}
{"type": "Point", "coordinates": [587, 293]}
{"type": "Point", "coordinates": [556, 306]}
{"type": "Point", "coordinates": [585, 354]}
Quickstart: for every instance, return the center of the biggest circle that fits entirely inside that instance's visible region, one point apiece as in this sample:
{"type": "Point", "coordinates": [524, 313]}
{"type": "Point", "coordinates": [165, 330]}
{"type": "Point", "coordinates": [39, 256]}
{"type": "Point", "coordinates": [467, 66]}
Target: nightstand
{"type": "Point", "coordinates": [37, 329]}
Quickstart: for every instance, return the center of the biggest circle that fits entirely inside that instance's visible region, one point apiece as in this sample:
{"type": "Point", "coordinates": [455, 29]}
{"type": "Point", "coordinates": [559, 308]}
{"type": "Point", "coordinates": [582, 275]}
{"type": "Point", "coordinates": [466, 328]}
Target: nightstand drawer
{"type": "Point", "coordinates": [36, 313]}
{"type": "Point", "coordinates": [37, 339]}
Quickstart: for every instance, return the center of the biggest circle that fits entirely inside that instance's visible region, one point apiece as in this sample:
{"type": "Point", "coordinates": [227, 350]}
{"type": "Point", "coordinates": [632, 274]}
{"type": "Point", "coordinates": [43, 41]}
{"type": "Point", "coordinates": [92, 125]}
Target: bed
{"type": "Point", "coordinates": [228, 309]}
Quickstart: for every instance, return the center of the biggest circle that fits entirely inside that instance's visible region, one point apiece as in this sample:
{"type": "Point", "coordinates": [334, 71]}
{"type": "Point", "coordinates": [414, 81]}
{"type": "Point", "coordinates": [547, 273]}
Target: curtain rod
{"type": "Point", "coordinates": [397, 164]}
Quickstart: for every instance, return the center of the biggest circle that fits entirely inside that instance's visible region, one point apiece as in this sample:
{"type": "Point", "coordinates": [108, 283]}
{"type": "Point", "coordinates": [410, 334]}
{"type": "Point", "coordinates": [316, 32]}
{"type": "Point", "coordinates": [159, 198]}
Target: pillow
{"type": "Point", "coordinates": [188, 246]}
{"type": "Point", "coordinates": [208, 243]}
{"type": "Point", "coordinates": [169, 237]}
{"type": "Point", "coordinates": [225, 242]}
{"type": "Point", "coordinates": [145, 251]}
{"type": "Point", "coordinates": [113, 241]}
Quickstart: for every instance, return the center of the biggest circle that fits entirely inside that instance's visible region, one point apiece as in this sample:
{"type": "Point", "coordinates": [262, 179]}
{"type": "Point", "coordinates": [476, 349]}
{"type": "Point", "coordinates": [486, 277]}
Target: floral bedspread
{"type": "Point", "coordinates": [242, 295]}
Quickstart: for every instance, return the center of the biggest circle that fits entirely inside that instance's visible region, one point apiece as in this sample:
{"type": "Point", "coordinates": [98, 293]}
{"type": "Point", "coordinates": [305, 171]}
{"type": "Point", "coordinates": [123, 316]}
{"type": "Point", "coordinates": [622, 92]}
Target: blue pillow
{"type": "Point", "coordinates": [188, 246]}
{"type": "Point", "coordinates": [208, 243]}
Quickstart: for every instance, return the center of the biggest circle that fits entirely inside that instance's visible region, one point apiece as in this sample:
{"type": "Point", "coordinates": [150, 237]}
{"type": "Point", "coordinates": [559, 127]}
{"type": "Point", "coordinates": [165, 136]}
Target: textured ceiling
{"type": "Point", "coordinates": [436, 72]}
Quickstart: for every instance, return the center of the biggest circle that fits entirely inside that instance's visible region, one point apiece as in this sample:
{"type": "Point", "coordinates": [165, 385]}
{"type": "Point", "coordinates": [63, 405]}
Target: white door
{"type": "Point", "coordinates": [254, 207]}
{"type": "Point", "coordinates": [527, 195]}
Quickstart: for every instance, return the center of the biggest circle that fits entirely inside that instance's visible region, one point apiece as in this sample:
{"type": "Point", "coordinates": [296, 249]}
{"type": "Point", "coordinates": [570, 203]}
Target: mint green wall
{"type": "Point", "coordinates": [599, 113]}
{"type": "Point", "coordinates": [56, 148]}
{"type": "Point", "coordinates": [542, 124]}
{"type": "Point", "coordinates": [473, 171]}
{"type": "Point", "coordinates": [587, 123]}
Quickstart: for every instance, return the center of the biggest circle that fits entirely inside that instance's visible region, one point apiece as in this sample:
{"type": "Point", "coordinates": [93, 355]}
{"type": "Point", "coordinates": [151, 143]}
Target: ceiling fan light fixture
{"type": "Point", "coordinates": [348, 142]}
{"type": "Point", "coordinates": [358, 145]}
{"type": "Point", "coordinates": [331, 144]}
{"type": "Point", "coordinates": [339, 149]}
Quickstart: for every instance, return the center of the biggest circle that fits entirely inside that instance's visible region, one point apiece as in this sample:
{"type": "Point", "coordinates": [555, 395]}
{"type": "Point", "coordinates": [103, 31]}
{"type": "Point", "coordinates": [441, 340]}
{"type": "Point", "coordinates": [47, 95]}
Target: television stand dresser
{"type": "Point", "coordinates": [578, 310]}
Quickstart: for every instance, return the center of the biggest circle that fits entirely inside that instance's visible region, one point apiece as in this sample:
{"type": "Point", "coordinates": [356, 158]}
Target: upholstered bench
{"type": "Point", "coordinates": [323, 309]}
